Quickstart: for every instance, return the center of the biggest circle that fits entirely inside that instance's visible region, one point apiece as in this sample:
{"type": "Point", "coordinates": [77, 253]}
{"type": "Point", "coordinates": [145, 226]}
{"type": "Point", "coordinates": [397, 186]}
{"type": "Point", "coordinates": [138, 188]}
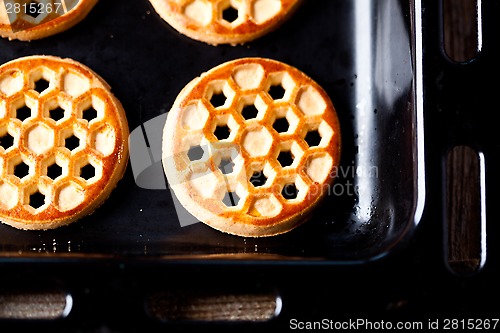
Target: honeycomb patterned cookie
{"type": "Point", "coordinates": [63, 142]}
{"type": "Point", "coordinates": [250, 147]}
{"type": "Point", "coordinates": [224, 21]}
{"type": "Point", "coordinates": [35, 19]}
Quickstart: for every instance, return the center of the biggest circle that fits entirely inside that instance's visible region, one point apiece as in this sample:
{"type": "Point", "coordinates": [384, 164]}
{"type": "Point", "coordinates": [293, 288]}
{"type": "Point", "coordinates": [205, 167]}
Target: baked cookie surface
{"type": "Point", "coordinates": [63, 142]}
{"type": "Point", "coordinates": [251, 146]}
{"type": "Point", "coordinates": [223, 21]}
{"type": "Point", "coordinates": [30, 20]}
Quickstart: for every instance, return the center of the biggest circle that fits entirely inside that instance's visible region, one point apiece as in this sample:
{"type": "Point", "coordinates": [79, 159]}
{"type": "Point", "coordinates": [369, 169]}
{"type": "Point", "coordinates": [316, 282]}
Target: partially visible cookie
{"type": "Point", "coordinates": [251, 147]}
{"type": "Point", "coordinates": [36, 19]}
{"type": "Point", "coordinates": [63, 142]}
{"type": "Point", "coordinates": [224, 21]}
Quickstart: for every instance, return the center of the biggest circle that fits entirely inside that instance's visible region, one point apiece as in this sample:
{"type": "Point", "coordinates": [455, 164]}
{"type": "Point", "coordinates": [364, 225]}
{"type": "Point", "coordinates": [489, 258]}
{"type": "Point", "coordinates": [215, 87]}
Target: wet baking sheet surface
{"type": "Point", "coordinates": [364, 63]}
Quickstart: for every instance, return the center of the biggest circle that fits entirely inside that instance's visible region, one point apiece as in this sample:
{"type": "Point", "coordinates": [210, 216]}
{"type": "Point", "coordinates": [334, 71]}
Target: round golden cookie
{"type": "Point", "coordinates": [251, 147]}
{"type": "Point", "coordinates": [224, 21]}
{"type": "Point", "coordinates": [35, 19]}
{"type": "Point", "coordinates": [63, 142]}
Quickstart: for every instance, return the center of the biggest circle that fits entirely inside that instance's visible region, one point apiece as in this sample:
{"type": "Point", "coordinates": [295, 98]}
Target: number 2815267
{"type": "Point", "coordinates": [32, 8]}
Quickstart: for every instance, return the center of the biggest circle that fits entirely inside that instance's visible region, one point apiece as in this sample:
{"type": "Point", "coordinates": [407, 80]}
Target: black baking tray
{"type": "Point", "coordinates": [365, 66]}
{"type": "Point", "coordinates": [378, 251]}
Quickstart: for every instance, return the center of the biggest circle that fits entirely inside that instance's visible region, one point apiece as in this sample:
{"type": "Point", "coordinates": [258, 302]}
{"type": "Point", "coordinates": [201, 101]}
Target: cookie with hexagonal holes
{"type": "Point", "coordinates": [63, 142]}
{"type": "Point", "coordinates": [35, 19]}
{"type": "Point", "coordinates": [251, 147]}
{"type": "Point", "coordinates": [223, 21]}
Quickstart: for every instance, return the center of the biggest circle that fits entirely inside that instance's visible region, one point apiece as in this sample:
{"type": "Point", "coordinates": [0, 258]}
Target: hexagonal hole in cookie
{"type": "Point", "coordinates": [222, 132]}
{"type": "Point", "coordinates": [41, 85]}
{"type": "Point", "coordinates": [35, 199]}
{"type": "Point", "coordinates": [312, 138]}
{"type": "Point", "coordinates": [280, 86]}
{"type": "Point", "coordinates": [22, 108]}
{"type": "Point", "coordinates": [54, 167]}
{"type": "Point", "coordinates": [289, 154]}
{"type": "Point", "coordinates": [34, 9]}
{"type": "Point", "coordinates": [276, 91]}
{"type": "Point", "coordinates": [227, 159]}
{"type": "Point", "coordinates": [228, 12]}
{"type": "Point", "coordinates": [218, 99]}
{"type": "Point", "coordinates": [54, 171]}
{"type": "Point", "coordinates": [258, 178]}
{"type": "Point", "coordinates": [89, 170]}
{"type": "Point", "coordinates": [89, 114]}
{"type": "Point", "coordinates": [260, 175]}
{"type": "Point", "coordinates": [232, 195]}
{"type": "Point", "coordinates": [293, 189]}
{"type": "Point", "coordinates": [231, 199]}
{"type": "Point", "coordinates": [73, 139]}
{"type": "Point", "coordinates": [251, 107]}
{"type": "Point", "coordinates": [285, 120]}
{"type": "Point", "coordinates": [6, 139]}
{"type": "Point", "coordinates": [257, 141]}
{"type": "Point", "coordinates": [281, 125]}
{"type": "Point", "coordinates": [57, 113]}
{"type": "Point", "coordinates": [19, 167]}
{"type": "Point", "coordinates": [290, 191]}
{"type": "Point", "coordinates": [225, 127]}
{"type": "Point", "coordinates": [34, 12]}
{"type": "Point", "coordinates": [40, 78]}
{"type": "Point", "coordinates": [285, 158]}
{"type": "Point", "coordinates": [72, 142]}
{"type": "Point", "coordinates": [23, 113]}
{"type": "Point", "coordinates": [249, 112]}
{"type": "Point", "coordinates": [21, 170]}
{"type": "Point", "coordinates": [56, 110]}
{"type": "Point", "coordinates": [264, 10]}
{"type": "Point", "coordinates": [195, 153]}
{"type": "Point", "coordinates": [219, 93]}
{"type": "Point", "coordinates": [199, 11]}
{"type": "Point", "coordinates": [11, 83]}
{"type": "Point", "coordinates": [226, 165]}
{"type": "Point", "coordinates": [317, 135]}
{"type": "Point", "coordinates": [91, 109]}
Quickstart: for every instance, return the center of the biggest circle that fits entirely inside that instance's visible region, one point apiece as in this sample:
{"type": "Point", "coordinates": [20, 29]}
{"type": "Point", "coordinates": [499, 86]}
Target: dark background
{"type": "Point", "coordinates": [412, 284]}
